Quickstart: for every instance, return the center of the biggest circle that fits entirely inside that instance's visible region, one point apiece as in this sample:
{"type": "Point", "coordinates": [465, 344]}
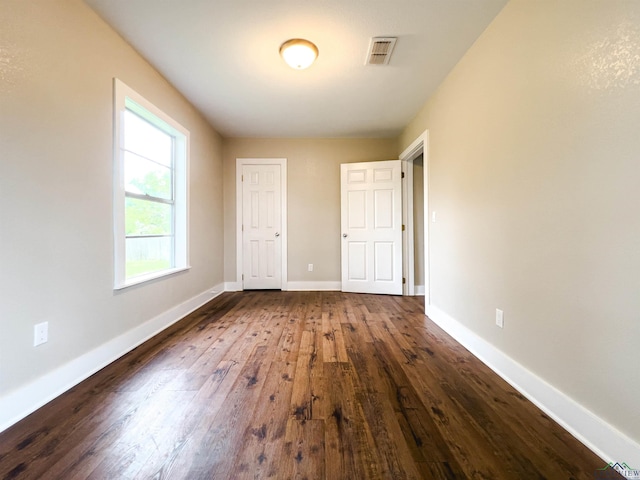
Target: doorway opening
{"type": "Point", "coordinates": [415, 200]}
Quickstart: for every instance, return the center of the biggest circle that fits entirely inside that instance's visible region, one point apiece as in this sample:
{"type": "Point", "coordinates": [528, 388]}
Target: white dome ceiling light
{"type": "Point", "coordinates": [299, 53]}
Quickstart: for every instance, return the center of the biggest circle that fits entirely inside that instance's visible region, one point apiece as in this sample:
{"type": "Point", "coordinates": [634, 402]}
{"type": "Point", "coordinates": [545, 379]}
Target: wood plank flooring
{"type": "Point", "coordinates": [302, 385]}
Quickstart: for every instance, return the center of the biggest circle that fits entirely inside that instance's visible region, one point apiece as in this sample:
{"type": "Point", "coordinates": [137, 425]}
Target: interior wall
{"type": "Point", "coordinates": [533, 170]}
{"type": "Point", "coordinates": [57, 63]}
{"type": "Point", "coordinates": [418, 221]}
{"type": "Point", "coordinates": [313, 167]}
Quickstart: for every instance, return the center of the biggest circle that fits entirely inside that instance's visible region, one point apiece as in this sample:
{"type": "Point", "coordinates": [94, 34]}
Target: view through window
{"type": "Point", "coordinates": [150, 202]}
{"type": "Point", "coordinates": [149, 218]}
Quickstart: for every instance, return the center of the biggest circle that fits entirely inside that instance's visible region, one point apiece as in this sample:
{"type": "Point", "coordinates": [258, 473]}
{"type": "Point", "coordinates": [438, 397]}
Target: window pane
{"type": "Point", "coordinates": [146, 217]}
{"type": "Point", "coordinates": [146, 140]}
{"type": "Point", "coordinates": [148, 255]}
{"type": "Point", "coordinates": [146, 177]}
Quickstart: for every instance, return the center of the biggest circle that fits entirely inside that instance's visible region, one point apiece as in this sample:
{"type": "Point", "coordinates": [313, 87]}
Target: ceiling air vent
{"type": "Point", "coordinates": [380, 50]}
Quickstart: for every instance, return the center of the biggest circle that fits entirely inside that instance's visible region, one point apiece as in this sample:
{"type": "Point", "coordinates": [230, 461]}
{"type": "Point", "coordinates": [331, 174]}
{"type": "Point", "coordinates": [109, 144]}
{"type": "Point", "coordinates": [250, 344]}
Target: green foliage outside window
{"type": "Point", "coordinates": [146, 217]}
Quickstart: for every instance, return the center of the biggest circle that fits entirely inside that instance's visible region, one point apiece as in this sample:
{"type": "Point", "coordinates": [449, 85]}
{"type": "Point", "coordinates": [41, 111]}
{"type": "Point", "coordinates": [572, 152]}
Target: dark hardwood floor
{"type": "Point", "coordinates": [295, 385]}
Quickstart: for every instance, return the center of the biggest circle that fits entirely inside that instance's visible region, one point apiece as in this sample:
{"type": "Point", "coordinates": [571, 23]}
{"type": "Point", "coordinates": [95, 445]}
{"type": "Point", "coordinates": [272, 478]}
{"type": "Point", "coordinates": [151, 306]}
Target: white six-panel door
{"type": "Point", "coordinates": [261, 227]}
{"type": "Point", "coordinates": [371, 218]}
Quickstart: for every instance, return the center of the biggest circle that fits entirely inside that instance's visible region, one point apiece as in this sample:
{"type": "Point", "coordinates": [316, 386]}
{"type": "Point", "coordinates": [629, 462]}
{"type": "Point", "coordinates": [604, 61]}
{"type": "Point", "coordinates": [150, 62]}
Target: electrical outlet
{"type": "Point", "coordinates": [499, 318]}
{"type": "Point", "coordinates": [433, 217]}
{"type": "Point", "coordinates": [40, 333]}
{"type": "Point", "coordinates": [310, 267]}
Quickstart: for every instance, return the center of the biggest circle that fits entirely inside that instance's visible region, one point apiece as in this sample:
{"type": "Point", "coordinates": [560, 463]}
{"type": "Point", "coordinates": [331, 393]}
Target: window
{"type": "Point", "coordinates": [150, 190]}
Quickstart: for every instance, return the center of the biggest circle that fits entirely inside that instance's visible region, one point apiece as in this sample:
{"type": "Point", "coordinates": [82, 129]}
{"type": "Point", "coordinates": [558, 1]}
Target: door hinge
{"type": "Point", "coordinates": [242, 178]}
{"type": "Point", "coordinates": [404, 280]}
{"type": "Point", "coordinates": [243, 276]}
{"type": "Point", "coordinates": [402, 175]}
{"type": "Point", "coordinates": [403, 228]}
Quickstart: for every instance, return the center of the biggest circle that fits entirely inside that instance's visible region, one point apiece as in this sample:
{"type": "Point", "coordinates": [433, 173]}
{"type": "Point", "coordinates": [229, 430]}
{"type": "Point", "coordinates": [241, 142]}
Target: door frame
{"type": "Point", "coordinates": [240, 163]}
{"type": "Point", "coordinates": [419, 146]}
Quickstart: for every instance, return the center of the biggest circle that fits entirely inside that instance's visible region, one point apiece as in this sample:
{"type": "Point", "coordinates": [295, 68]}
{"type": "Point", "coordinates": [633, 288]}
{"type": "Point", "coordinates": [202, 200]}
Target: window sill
{"type": "Point", "coordinates": [149, 277]}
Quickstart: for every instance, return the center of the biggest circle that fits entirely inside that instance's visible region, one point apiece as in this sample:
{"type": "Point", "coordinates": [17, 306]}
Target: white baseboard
{"type": "Point", "coordinates": [16, 405]}
{"type": "Point", "coordinates": [232, 286]}
{"type": "Point", "coordinates": [419, 290]}
{"type": "Point", "coordinates": [292, 286]}
{"type": "Point", "coordinates": [313, 286]}
{"type": "Point", "coordinates": [602, 438]}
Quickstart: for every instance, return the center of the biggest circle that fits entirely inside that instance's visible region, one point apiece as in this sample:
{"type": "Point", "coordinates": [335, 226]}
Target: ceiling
{"type": "Point", "coordinates": [223, 56]}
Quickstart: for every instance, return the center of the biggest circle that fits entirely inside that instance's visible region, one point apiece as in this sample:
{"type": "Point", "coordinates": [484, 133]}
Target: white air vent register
{"type": "Point", "coordinates": [380, 49]}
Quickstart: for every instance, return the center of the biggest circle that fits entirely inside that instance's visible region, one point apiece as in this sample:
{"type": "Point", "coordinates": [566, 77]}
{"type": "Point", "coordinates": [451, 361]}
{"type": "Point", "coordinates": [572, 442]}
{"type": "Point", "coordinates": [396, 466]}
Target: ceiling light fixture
{"type": "Point", "coordinates": [298, 53]}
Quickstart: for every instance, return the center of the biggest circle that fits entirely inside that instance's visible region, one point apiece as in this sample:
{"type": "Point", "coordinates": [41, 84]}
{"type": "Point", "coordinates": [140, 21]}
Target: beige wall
{"type": "Point", "coordinates": [57, 62]}
{"type": "Point", "coordinates": [534, 171]}
{"type": "Point", "coordinates": [314, 197]}
{"type": "Point", "coordinates": [418, 220]}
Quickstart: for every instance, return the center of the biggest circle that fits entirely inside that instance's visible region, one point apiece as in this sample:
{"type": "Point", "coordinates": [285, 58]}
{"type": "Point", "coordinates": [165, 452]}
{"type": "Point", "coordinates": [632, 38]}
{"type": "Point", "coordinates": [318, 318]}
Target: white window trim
{"type": "Point", "coordinates": [123, 97]}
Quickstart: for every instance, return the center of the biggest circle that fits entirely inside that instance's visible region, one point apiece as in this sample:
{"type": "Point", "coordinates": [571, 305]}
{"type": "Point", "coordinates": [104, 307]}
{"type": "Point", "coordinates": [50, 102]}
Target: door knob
{"type": "Point", "coordinates": [345, 235]}
{"type": "Point", "coordinates": [277, 234]}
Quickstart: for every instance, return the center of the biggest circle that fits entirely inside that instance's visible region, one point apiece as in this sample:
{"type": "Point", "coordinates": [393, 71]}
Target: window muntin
{"type": "Point", "coordinates": [151, 191]}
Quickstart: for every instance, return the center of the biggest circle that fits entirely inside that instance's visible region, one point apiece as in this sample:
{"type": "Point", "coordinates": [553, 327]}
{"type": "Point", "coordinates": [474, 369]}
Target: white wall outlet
{"type": "Point", "coordinates": [40, 333]}
{"type": "Point", "coordinates": [433, 217]}
{"type": "Point", "coordinates": [499, 318]}
{"type": "Point", "coordinates": [310, 267]}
